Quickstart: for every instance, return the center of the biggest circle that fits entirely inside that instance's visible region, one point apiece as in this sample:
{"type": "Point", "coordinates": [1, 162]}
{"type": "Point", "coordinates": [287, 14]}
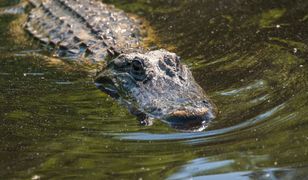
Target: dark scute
{"type": "Point", "coordinates": [169, 60]}
{"type": "Point", "coordinates": [169, 71]}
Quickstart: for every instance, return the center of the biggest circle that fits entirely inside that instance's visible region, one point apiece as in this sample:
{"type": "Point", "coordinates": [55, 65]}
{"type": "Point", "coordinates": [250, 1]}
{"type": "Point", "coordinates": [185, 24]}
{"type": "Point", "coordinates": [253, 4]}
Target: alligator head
{"type": "Point", "coordinates": [155, 85]}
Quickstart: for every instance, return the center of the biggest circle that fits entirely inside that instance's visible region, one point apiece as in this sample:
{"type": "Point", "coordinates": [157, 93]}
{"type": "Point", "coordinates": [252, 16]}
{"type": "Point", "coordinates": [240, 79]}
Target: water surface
{"type": "Point", "coordinates": [249, 56]}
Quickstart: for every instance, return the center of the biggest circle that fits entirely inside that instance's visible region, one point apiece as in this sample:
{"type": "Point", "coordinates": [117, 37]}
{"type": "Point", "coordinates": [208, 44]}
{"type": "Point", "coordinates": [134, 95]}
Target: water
{"type": "Point", "coordinates": [249, 56]}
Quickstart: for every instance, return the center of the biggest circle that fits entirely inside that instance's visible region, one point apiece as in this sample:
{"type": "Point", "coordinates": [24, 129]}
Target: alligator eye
{"type": "Point", "coordinates": [137, 70]}
{"type": "Point", "coordinates": [137, 66]}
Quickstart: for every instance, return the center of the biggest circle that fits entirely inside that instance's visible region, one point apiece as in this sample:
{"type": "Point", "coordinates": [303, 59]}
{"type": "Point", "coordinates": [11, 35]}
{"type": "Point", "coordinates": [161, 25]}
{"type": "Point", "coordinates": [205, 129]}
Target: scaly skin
{"type": "Point", "coordinates": [151, 84]}
{"type": "Point", "coordinates": [83, 28]}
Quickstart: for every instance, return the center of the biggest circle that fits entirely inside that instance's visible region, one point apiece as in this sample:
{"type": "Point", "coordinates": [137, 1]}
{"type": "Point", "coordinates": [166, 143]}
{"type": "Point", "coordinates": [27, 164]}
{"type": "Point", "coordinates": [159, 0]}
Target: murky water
{"type": "Point", "coordinates": [250, 56]}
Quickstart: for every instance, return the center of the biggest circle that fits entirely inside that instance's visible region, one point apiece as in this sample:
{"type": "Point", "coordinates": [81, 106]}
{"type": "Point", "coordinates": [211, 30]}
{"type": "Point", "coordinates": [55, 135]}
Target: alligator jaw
{"type": "Point", "coordinates": [192, 120]}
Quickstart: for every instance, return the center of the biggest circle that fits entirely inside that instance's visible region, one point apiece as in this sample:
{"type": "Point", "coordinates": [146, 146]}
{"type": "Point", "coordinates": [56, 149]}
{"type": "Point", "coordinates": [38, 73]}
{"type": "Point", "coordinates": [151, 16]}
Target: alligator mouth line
{"type": "Point", "coordinates": [106, 85]}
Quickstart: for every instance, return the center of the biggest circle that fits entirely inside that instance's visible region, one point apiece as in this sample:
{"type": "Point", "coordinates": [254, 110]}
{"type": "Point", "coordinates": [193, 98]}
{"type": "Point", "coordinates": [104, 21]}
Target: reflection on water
{"type": "Point", "coordinates": [251, 58]}
{"type": "Point", "coordinates": [197, 166]}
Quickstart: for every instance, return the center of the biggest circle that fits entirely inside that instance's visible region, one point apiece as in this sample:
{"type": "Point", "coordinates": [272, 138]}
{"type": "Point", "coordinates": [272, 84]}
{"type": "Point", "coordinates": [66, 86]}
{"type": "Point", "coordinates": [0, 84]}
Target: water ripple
{"type": "Point", "coordinates": [198, 136]}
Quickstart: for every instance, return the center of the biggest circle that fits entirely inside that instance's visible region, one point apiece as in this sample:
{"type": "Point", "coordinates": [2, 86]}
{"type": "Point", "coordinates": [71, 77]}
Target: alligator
{"type": "Point", "coordinates": [152, 84]}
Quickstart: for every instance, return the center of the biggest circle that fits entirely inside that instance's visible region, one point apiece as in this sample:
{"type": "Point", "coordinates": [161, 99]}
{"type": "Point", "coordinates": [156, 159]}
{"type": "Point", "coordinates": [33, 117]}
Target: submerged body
{"type": "Point", "coordinates": [82, 28]}
{"type": "Point", "coordinates": [151, 84]}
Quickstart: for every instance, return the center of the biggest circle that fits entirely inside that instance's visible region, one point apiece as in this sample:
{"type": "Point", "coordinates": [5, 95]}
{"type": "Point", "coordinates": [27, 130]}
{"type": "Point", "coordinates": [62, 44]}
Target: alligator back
{"type": "Point", "coordinates": [82, 29]}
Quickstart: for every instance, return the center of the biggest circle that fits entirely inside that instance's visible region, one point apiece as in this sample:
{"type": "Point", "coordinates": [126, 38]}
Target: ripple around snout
{"type": "Point", "coordinates": [200, 137]}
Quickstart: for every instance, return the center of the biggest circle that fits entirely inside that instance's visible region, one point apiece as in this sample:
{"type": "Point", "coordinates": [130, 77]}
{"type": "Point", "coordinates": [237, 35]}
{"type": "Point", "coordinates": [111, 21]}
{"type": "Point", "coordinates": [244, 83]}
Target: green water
{"type": "Point", "coordinates": [250, 57]}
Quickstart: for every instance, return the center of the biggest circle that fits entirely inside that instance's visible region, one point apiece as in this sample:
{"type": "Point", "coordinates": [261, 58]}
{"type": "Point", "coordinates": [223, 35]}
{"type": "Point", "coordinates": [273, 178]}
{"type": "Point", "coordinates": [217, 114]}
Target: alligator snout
{"type": "Point", "coordinates": [193, 119]}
